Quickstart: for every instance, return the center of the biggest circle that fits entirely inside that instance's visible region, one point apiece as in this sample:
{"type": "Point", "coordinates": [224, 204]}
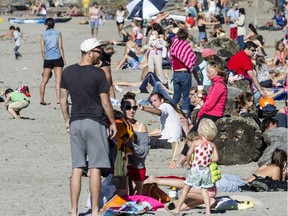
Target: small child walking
{"type": "Point", "coordinates": [18, 100]}
{"type": "Point", "coordinates": [16, 35]}
{"type": "Point", "coordinates": [200, 174]}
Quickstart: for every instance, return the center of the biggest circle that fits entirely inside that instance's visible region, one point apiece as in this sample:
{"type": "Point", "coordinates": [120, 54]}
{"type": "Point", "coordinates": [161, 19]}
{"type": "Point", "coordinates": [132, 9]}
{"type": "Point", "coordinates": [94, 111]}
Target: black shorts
{"type": "Point", "coordinates": [119, 23]}
{"type": "Point", "coordinates": [53, 63]}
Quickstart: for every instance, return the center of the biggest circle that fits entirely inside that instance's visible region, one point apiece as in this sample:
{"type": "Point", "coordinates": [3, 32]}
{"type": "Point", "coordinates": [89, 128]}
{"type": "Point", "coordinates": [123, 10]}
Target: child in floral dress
{"type": "Point", "coordinates": [200, 174]}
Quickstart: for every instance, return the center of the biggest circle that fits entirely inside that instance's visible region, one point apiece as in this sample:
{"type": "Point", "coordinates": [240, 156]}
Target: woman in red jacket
{"type": "Point", "coordinates": [214, 106]}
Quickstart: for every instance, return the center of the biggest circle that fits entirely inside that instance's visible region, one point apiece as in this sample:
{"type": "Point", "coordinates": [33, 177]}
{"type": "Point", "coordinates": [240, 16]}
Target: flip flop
{"type": "Point", "coordinates": [44, 103]}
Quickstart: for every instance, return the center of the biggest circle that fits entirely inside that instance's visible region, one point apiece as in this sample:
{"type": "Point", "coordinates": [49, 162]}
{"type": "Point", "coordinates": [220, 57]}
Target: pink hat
{"type": "Point", "coordinates": [208, 52]}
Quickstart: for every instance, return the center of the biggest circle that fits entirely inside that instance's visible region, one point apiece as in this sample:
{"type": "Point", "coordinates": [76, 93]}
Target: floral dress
{"type": "Point", "coordinates": [200, 174]}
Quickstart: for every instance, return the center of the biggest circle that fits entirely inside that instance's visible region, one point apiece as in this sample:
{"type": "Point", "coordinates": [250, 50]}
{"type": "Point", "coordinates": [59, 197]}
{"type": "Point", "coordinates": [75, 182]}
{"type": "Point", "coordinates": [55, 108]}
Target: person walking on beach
{"type": "Point", "coordinates": [120, 19]}
{"type": "Point", "coordinates": [16, 35]}
{"type": "Point", "coordinates": [91, 115]}
{"type": "Point", "coordinates": [53, 55]}
{"type": "Point", "coordinates": [94, 17]}
{"type": "Point", "coordinates": [85, 4]}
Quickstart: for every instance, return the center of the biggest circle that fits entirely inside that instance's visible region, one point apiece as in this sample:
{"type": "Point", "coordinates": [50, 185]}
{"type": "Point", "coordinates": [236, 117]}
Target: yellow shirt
{"type": "Point", "coordinates": [85, 3]}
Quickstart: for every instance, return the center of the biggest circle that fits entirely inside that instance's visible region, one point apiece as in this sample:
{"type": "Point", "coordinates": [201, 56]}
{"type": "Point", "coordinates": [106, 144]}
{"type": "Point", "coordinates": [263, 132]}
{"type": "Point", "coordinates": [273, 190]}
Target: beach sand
{"type": "Point", "coordinates": [35, 155]}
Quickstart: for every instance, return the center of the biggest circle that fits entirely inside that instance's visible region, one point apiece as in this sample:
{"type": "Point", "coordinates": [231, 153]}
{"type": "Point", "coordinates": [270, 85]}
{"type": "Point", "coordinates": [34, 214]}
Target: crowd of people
{"type": "Point", "coordinates": [167, 45]}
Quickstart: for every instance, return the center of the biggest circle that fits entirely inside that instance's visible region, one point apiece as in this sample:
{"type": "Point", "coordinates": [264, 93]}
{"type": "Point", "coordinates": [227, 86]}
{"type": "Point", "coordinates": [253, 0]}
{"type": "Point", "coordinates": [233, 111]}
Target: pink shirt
{"type": "Point", "coordinates": [216, 99]}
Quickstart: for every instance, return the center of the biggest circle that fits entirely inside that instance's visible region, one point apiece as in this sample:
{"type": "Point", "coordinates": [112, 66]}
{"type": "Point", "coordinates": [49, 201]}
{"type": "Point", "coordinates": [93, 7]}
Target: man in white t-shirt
{"type": "Point", "coordinates": [170, 127]}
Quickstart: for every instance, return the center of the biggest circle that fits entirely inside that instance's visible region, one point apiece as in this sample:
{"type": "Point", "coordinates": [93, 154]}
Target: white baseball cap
{"type": "Point", "coordinates": [89, 44]}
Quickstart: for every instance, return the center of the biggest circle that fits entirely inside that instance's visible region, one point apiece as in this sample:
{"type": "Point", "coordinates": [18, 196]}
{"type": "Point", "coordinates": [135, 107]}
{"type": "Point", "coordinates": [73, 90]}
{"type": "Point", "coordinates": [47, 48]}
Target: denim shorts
{"type": "Point", "coordinates": [94, 23]}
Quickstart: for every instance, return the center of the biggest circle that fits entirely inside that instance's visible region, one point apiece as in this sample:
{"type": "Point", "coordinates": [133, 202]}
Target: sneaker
{"type": "Point", "coordinates": [143, 102]}
{"type": "Point", "coordinates": [118, 89]}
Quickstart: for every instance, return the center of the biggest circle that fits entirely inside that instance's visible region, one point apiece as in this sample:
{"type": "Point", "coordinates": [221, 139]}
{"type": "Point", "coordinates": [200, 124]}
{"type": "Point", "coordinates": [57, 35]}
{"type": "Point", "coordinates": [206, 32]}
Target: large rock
{"type": "Point", "coordinates": [274, 138]}
{"type": "Point", "coordinates": [238, 140]}
{"type": "Point", "coordinates": [224, 46]}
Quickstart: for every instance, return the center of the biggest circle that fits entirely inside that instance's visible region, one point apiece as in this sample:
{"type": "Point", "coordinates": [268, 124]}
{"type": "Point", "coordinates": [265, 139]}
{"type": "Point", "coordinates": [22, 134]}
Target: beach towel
{"type": "Point", "coordinates": [129, 208]}
{"type": "Point", "coordinates": [153, 202]}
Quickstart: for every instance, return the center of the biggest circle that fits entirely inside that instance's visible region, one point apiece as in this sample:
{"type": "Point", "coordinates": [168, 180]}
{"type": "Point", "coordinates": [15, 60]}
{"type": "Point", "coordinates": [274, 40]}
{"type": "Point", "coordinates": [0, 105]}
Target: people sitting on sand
{"type": "Point", "coordinates": [170, 126]}
{"type": "Point", "coordinates": [131, 60]}
{"type": "Point", "coordinates": [72, 11]}
{"type": "Point", "coordinates": [140, 146]}
{"type": "Point", "coordinates": [241, 64]}
{"type": "Point", "coordinates": [18, 101]}
{"type": "Point", "coordinates": [280, 56]}
{"type": "Point", "coordinates": [277, 170]}
{"type": "Point", "coordinates": [244, 105]}
{"type": "Point", "coordinates": [267, 77]}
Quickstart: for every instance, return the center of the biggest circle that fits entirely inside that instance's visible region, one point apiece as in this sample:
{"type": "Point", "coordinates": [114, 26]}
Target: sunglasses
{"type": "Point", "coordinates": [97, 51]}
{"type": "Point", "coordinates": [131, 107]}
{"type": "Point", "coordinates": [253, 50]}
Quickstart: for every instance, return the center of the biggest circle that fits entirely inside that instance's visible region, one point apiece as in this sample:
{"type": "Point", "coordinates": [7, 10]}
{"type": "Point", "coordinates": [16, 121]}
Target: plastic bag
{"type": "Point", "coordinates": [106, 193]}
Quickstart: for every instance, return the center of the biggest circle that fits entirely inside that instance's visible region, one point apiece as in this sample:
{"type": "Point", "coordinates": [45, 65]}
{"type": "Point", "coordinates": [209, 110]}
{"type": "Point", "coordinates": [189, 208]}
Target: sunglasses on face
{"type": "Point", "coordinates": [253, 50]}
{"type": "Point", "coordinates": [97, 51]}
{"type": "Point", "coordinates": [131, 107]}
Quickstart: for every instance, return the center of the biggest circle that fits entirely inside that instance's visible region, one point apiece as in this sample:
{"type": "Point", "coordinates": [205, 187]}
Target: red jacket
{"type": "Point", "coordinates": [216, 99]}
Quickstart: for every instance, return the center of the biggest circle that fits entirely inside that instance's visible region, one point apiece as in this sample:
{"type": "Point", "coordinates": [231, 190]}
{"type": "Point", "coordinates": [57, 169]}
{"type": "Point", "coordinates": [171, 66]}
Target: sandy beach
{"type": "Point", "coordinates": [35, 153]}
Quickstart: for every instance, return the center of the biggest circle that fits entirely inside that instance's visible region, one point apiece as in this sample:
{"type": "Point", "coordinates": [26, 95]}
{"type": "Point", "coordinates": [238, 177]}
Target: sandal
{"type": "Point", "coordinates": [44, 103]}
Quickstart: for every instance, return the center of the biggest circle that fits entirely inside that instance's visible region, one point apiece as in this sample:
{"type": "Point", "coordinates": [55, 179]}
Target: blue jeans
{"type": "Point", "coordinates": [158, 88]}
{"type": "Point", "coordinates": [17, 54]}
{"type": "Point", "coordinates": [182, 83]}
{"type": "Point", "coordinates": [150, 78]}
{"type": "Point", "coordinates": [241, 41]}
{"type": "Point", "coordinates": [230, 183]}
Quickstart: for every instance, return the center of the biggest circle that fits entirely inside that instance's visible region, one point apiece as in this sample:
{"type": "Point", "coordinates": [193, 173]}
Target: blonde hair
{"type": "Point", "coordinates": [207, 128]}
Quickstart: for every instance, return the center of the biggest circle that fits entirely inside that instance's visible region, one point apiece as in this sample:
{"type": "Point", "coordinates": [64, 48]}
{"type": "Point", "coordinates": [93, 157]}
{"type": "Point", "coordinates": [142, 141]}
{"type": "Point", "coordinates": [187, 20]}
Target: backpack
{"type": "Point", "coordinates": [269, 111]}
{"type": "Point", "coordinates": [24, 89]}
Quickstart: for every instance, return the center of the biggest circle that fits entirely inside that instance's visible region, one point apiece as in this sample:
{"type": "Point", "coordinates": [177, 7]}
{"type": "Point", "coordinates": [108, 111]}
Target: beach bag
{"type": "Point", "coordinates": [24, 89]}
{"type": "Point", "coordinates": [106, 193]}
{"type": "Point", "coordinates": [152, 190]}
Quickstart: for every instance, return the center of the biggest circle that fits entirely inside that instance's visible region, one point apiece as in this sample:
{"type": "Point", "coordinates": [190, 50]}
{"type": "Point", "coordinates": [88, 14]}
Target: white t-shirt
{"type": "Point", "coordinates": [120, 16]}
{"type": "Point", "coordinates": [17, 36]}
{"type": "Point", "coordinates": [232, 15]}
{"type": "Point", "coordinates": [170, 126]}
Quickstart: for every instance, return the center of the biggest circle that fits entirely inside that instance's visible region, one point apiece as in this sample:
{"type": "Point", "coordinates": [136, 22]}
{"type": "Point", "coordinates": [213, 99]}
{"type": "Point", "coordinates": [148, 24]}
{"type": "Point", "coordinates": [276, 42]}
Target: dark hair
{"type": "Point", "coordinates": [120, 6]}
{"type": "Point", "coordinates": [160, 96]}
{"type": "Point", "coordinates": [18, 29]}
{"type": "Point", "coordinates": [267, 121]}
{"type": "Point", "coordinates": [260, 60]}
{"type": "Point", "coordinates": [50, 23]}
{"type": "Point", "coordinates": [241, 99]}
{"type": "Point", "coordinates": [242, 11]}
{"type": "Point", "coordinates": [221, 71]}
{"type": "Point", "coordinates": [252, 28]}
{"type": "Point", "coordinates": [249, 44]}
{"type": "Point", "coordinates": [260, 39]}
{"type": "Point", "coordinates": [9, 90]}
{"type": "Point", "coordinates": [278, 158]}
{"type": "Point", "coordinates": [157, 27]}
{"type": "Point", "coordinates": [12, 27]}
{"type": "Point", "coordinates": [182, 34]}
{"type": "Point", "coordinates": [278, 43]}
{"type": "Point", "coordinates": [127, 96]}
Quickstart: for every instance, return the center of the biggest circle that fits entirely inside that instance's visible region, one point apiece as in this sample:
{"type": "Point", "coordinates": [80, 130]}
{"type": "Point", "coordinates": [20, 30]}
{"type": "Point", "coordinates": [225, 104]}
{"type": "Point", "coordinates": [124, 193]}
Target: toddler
{"type": "Point", "coordinates": [200, 174]}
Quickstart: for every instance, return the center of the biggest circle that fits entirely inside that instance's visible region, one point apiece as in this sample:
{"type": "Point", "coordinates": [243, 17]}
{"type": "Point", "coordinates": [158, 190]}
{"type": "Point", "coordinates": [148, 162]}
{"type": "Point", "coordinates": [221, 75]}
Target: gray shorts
{"type": "Point", "coordinates": [88, 137]}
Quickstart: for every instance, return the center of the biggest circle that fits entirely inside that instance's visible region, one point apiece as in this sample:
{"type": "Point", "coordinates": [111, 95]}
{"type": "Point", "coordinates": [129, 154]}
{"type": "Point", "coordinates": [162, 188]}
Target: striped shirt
{"type": "Point", "coordinates": [182, 55]}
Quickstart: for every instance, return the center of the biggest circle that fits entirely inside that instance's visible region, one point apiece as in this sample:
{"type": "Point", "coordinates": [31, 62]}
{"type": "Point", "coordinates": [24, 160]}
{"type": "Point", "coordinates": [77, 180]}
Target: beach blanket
{"type": "Point", "coordinates": [129, 208]}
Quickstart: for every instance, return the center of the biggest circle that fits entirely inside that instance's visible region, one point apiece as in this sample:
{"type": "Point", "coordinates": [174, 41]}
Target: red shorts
{"type": "Point", "coordinates": [136, 174]}
{"type": "Point", "coordinates": [233, 33]}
